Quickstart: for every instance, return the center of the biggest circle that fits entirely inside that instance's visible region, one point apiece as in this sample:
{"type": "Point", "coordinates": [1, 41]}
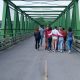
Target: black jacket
{"type": "Point", "coordinates": [37, 35]}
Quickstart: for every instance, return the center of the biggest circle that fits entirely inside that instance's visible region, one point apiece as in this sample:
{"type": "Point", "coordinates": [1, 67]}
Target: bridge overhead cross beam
{"type": "Point", "coordinates": [42, 6]}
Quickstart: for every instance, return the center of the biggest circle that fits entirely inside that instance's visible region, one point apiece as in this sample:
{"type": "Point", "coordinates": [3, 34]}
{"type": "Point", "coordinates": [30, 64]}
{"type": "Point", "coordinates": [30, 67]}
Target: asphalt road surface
{"type": "Point", "coordinates": [23, 62]}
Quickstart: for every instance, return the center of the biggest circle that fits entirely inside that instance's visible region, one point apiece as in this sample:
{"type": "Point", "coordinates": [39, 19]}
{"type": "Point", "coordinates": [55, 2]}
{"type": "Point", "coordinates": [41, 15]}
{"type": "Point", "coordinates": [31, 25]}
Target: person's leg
{"type": "Point", "coordinates": [69, 47]}
{"type": "Point", "coordinates": [41, 41]}
{"type": "Point", "coordinates": [64, 45]}
{"type": "Point", "coordinates": [50, 43]}
{"type": "Point", "coordinates": [38, 43]}
{"type": "Point", "coordinates": [70, 44]}
{"type": "Point", "coordinates": [46, 43]}
{"type": "Point", "coordinates": [35, 43]}
{"type": "Point", "coordinates": [55, 44]}
{"type": "Point", "coordinates": [61, 44]}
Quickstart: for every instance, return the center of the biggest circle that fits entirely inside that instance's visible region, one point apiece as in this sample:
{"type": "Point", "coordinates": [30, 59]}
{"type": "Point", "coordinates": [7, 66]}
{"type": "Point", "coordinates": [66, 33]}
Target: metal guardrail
{"type": "Point", "coordinates": [9, 41]}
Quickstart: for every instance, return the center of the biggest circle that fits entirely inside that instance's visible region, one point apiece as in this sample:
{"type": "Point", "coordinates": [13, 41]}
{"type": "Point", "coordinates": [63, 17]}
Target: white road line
{"type": "Point", "coordinates": [46, 71]}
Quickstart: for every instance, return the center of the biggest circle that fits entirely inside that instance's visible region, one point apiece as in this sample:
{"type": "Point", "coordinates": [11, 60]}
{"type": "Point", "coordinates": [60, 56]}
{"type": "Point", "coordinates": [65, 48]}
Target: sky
{"type": "Point", "coordinates": [1, 9]}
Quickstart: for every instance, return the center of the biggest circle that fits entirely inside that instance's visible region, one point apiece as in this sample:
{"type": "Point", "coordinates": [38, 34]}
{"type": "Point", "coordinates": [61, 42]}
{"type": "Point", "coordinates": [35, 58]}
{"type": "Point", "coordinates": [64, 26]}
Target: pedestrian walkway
{"type": "Point", "coordinates": [23, 62]}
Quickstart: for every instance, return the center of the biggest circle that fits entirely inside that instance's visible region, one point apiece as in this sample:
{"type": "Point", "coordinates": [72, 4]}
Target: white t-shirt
{"type": "Point", "coordinates": [55, 32]}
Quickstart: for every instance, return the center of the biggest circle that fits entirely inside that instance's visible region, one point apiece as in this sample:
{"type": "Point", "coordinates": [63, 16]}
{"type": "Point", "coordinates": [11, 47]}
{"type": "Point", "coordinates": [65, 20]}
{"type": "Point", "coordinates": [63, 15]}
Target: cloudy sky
{"type": "Point", "coordinates": [1, 9]}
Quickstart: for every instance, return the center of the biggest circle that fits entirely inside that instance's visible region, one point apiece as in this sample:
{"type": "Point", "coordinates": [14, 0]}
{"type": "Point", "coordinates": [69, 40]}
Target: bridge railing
{"type": "Point", "coordinates": [76, 41]}
{"type": "Point", "coordinates": [8, 40]}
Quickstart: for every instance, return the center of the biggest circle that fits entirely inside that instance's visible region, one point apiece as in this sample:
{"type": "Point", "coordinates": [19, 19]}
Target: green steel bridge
{"type": "Point", "coordinates": [18, 19]}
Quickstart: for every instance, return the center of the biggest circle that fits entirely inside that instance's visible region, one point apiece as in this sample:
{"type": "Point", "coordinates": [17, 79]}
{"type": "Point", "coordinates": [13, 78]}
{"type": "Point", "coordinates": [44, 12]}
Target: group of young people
{"type": "Point", "coordinates": [57, 39]}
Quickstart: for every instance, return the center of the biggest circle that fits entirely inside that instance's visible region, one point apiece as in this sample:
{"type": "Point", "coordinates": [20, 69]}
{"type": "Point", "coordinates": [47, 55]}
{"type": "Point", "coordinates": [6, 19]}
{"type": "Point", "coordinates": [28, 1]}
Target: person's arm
{"type": "Point", "coordinates": [50, 33]}
{"type": "Point", "coordinates": [59, 34]}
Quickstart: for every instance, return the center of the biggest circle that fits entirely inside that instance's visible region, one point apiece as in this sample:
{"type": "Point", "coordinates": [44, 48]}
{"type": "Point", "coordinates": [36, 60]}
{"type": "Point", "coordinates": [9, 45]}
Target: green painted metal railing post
{"type": "Point", "coordinates": [21, 23]}
{"type": "Point", "coordinates": [75, 19]}
{"type": "Point", "coordinates": [26, 24]}
{"type": "Point", "coordinates": [76, 10]}
{"type": "Point", "coordinates": [10, 29]}
{"type": "Point", "coordinates": [63, 20]}
{"type": "Point", "coordinates": [3, 27]}
{"type": "Point", "coordinates": [16, 23]}
{"type": "Point", "coordinates": [67, 21]}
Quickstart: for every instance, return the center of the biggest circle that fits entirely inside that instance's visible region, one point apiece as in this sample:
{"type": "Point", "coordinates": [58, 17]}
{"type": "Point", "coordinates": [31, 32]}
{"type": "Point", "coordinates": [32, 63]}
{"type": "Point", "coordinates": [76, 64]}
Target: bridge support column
{"type": "Point", "coordinates": [67, 21]}
{"type": "Point", "coordinates": [75, 19]}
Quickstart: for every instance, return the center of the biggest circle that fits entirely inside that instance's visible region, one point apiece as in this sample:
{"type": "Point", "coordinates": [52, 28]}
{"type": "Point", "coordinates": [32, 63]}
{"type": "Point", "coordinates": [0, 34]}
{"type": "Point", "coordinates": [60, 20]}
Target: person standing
{"type": "Point", "coordinates": [37, 38]}
{"type": "Point", "coordinates": [41, 29]}
{"type": "Point", "coordinates": [46, 38]}
{"type": "Point", "coordinates": [69, 39]}
{"type": "Point", "coordinates": [54, 34]}
{"type": "Point", "coordinates": [60, 39]}
{"type": "Point", "coordinates": [49, 38]}
{"type": "Point", "coordinates": [65, 38]}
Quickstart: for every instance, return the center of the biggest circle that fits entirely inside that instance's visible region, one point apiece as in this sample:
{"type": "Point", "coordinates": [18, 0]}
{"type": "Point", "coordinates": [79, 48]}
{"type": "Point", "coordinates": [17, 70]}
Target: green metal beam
{"type": "Point", "coordinates": [32, 0]}
{"type": "Point", "coordinates": [16, 23]}
{"type": "Point", "coordinates": [45, 11]}
{"type": "Point", "coordinates": [42, 6]}
{"type": "Point", "coordinates": [75, 17]}
{"type": "Point", "coordinates": [26, 23]}
{"type": "Point", "coordinates": [67, 21]}
{"type": "Point", "coordinates": [4, 20]}
{"type": "Point", "coordinates": [63, 20]}
{"type": "Point", "coordinates": [17, 8]}
{"type": "Point", "coordinates": [9, 22]}
{"type": "Point", "coordinates": [46, 17]}
{"type": "Point", "coordinates": [64, 11]}
{"type": "Point", "coordinates": [43, 14]}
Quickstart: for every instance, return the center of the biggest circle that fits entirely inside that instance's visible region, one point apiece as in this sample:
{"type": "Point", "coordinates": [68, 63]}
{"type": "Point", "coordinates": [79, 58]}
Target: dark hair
{"type": "Point", "coordinates": [70, 29]}
{"type": "Point", "coordinates": [42, 26]}
{"type": "Point", "coordinates": [55, 27]}
{"type": "Point", "coordinates": [37, 29]}
{"type": "Point", "coordinates": [50, 28]}
{"type": "Point", "coordinates": [63, 28]}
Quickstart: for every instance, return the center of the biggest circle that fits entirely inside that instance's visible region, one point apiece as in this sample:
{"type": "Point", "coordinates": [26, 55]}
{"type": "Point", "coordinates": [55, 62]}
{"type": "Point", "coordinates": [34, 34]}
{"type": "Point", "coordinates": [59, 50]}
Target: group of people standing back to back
{"type": "Point", "coordinates": [56, 39]}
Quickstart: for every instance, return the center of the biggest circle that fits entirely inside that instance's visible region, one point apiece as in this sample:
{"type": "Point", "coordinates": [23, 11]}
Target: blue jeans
{"type": "Point", "coordinates": [69, 41]}
{"type": "Point", "coordinates": [49, 43]}
{"type": "Point", "coordinates": [41, 41]}
{"type": "Point", "coordinates": [60, 43]}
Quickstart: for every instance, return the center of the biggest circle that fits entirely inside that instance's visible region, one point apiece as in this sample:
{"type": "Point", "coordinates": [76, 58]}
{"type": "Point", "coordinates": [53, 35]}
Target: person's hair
{"type": "Point", "coordinates": [37, 29]}
{"type": "Point", "coordinates": [50, 28]}
{"type": "Point", "coordinates": [70, 29]}
{"type": "Point", "coordinates": [63, 28]}
{"type": "Point", "coordinates": [55, 27]}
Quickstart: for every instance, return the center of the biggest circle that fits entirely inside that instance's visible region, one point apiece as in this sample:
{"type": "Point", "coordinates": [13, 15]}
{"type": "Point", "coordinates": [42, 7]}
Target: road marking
{"type": "Point", "coordinates": [46, 71]}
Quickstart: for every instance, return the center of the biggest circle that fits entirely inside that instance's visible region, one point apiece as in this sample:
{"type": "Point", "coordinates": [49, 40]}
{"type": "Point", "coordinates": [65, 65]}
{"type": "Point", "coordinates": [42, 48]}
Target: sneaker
{"type": "Point", "coordinates": [58, 50]}
{"type": "Point", "coordinates": [69, 51]}
{"type": "Point", "coordinates": [61, 51]}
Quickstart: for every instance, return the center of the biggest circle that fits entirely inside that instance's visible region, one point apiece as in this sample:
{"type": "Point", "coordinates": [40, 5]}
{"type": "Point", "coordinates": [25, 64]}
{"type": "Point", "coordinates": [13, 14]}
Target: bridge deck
{"type": "Point", "coordinates": [23, 62]}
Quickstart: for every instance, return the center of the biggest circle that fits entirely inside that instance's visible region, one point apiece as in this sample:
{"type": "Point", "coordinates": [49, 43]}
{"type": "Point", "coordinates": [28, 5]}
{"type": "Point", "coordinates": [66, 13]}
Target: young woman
{"type": "Point", "coordinates": [46, 38]}
{"type": "Point", "coordinates": [49, 38]}
{"type": "Point", "coordinates": [54, 34]}
{"type": "Point", "coordinates": [60, 40]}
{"type": "Point", "coordinates": [69, 39]}
{"type": "Point", "coordinates": [37, 38]}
